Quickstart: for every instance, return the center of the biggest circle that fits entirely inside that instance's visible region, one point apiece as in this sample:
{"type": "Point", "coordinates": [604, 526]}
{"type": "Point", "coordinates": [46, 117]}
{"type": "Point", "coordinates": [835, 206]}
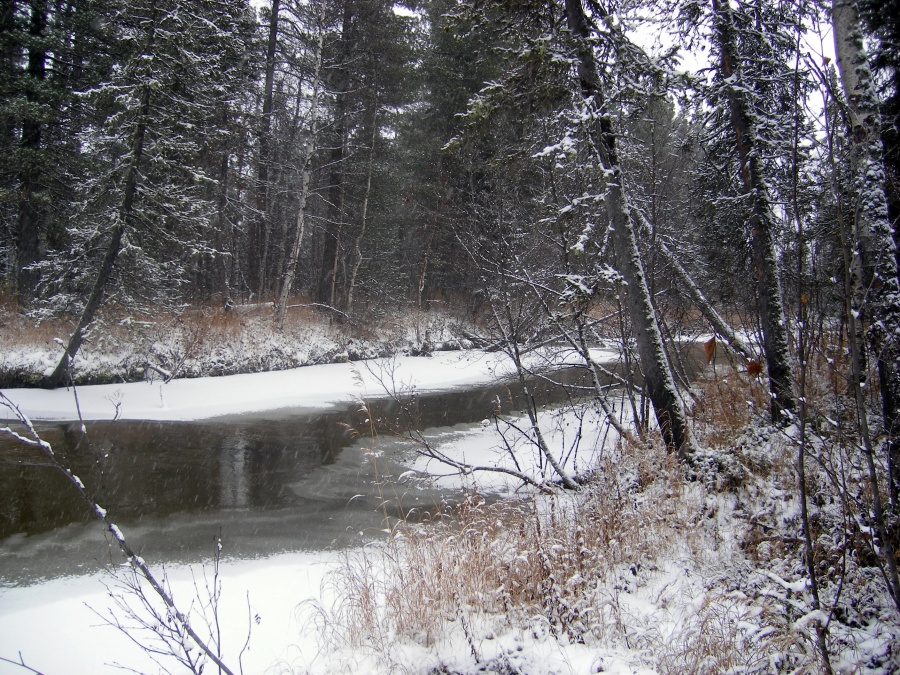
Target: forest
{"type": "Point", "coordinates": [571, 173]}
{"type": "Point", "coordinates": [545, 159]}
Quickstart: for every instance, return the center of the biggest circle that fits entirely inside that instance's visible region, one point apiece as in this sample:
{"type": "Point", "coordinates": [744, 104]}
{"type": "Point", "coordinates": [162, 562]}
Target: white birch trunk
{"type": "Point", "coordinates": [357, 245]}
{"type": "Point", "coordinates": [877, 249]}
{"type": "Point", "coordinates": [306, 177]}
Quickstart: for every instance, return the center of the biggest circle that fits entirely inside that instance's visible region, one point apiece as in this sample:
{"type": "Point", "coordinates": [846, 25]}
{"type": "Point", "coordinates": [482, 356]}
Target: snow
{"type": "Point", "coordinates": [690, 597]}
{"type": "Point", "coordinates": [63, 614]}
{"type": "Point", "coordinates": [116, 532]}
{"type": "Point", "coordinates": [319, 386]}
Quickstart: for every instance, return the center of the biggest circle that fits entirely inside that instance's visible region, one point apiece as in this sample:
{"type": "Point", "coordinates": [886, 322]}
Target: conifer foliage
{"type": "Point", "coordinates": [157, 126]}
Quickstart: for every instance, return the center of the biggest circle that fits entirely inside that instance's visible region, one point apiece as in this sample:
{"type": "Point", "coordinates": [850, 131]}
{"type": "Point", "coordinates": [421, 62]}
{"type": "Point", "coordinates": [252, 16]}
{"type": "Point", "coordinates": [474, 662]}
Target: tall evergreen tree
{"type": "Point", "coordinates": [49, 51]}
{"type": "Point", "coordinates": [370, 70]}
{"type": "Point", "coordinates": [158, 119]}
{"type": "Point", "coordinates": [421, 256]}
{"type": "Point", "coordinates": [746, 43]}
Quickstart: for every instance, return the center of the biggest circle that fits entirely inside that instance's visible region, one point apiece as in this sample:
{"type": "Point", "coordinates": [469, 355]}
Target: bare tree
{"type": "Point", "coordinates": [306, 168]}
{"type": "Point", "coordinates": [658, 380]}
{"type": "Point", "coordinates": [877, 249]}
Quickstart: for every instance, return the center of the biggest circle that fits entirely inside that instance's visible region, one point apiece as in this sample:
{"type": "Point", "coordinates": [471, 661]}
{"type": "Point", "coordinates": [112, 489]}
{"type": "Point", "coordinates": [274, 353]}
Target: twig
{"type": "Point", "coordinates": [322, 305]}
{"type": "Point", "coordinates": [21, 664]}
{"type": "Point", "coordinates": [137, 563]}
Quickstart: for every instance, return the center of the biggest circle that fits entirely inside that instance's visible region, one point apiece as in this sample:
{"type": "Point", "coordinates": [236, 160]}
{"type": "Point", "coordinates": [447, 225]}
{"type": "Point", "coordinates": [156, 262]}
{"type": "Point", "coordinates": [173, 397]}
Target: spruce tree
{"type": "Point", "coordinates": [147, 215]}
{"type": "Point", "coordinates": [751, 93]}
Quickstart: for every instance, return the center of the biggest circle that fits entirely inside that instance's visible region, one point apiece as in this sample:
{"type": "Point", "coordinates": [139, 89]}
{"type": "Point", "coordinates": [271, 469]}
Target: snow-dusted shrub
{"type": "Point", "coordinates": [609, 568]}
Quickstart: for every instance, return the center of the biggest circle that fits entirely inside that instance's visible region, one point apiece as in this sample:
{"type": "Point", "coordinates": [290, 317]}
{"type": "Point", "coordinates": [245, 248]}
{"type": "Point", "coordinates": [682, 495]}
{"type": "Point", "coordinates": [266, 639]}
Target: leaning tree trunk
{"type": "Point", "coordinates": [123, 221]}
{"type": "Point", "coordinates": [719, 325]}
{"type": "Point", "coordinates": [876, 244]}
{"type": "Point", "coordinates": [762, 221]}
{"type": "Point", "coordinates": [658, 380]}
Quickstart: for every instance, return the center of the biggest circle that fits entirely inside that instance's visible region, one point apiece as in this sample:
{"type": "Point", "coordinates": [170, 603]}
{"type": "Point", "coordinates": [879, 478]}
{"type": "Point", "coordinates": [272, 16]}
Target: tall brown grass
{"type": "Point", "coordinates": [481, 569]}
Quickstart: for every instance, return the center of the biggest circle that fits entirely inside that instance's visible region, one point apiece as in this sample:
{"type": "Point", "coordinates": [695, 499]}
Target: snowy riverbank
{"type": "Point", "coordinates": [209, 343]}
{"type": "Point", "coordinates": [299, 388]}
{"type": "Point", "coordinates": [641, 572]}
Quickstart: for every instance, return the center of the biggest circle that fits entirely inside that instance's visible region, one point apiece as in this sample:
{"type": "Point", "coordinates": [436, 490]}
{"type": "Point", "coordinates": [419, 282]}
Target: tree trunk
{"type": "Point", "coordinates": [762, 222]}
{"type": "Point", "coordinates": [263, 188]}
{"type": "Point", "coordinates": [223, 282]}
{"type": "Point", "coordinates": [30, 226]}
{"type": "Point", "coordinates": [876, 245]}
{"type": "Point", "coordinates": [331, 248]}
{"type": "Point", "coordinates": [123, 222]}
{"type": "Point", "coordinates": [357, 248]}
{"type": "Point", "coordinates": [658, 380]}
{"type": "Point", "coordinates": [305, 179]}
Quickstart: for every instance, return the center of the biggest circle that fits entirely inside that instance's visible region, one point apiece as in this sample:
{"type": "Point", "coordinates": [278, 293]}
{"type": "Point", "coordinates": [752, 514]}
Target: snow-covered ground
{"type": "Point", "coordinates": [55, 625]}
{"type": "Point", "coordinates": [677, 584]}
{"type": "Point", "coordinates": [317, 386]}
{"type": "Point", "coordinates": [207, 397]}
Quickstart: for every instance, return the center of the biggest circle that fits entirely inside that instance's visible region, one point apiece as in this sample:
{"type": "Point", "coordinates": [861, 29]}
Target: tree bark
{"type": "Point", "coordinates": [305, 179]}
{"type": "Point", "coordinates": [762, 222]}
{"type": "Point", "coordinates": [357, 247]}
{"type": "Point", "coordinates": [658, 380]}
{"type": "Point", "coordinates": [30, 226]}
{"type": "Point", "coordinates": [877, 249]}
{"type": "Point", "coordinates": [340, 85]}
{"type": "Point", "coordinates": [263, 187]}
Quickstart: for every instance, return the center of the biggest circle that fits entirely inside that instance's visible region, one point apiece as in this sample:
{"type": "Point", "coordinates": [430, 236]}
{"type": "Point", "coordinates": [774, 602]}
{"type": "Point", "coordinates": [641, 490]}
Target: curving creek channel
{"type": "Point", "coordinates": [284, 490]}
{"type": "Point", "coordinates": [267, 483]}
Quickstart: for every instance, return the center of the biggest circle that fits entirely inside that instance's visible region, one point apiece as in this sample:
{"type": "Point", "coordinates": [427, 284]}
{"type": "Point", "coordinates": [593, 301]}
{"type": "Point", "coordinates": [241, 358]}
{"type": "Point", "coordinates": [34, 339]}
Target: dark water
{"type": "Point", "coordinates": [268, 483]}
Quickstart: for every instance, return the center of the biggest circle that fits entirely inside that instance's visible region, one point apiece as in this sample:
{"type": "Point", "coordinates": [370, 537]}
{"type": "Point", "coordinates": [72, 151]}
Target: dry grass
{"type": "Point", "coordinates": [563, 563]}
{"type": "Point", "coordinates": [728, 400]}
{"type": "Point", "coordinates": [124, 324]}
{"type": "Point", "coordinates": [710, 643]}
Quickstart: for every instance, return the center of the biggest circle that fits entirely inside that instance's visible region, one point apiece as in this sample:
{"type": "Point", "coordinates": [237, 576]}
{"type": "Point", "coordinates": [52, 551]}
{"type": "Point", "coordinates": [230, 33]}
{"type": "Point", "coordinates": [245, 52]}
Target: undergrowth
{"type": "Point", "coordinates": [640, 569]}
{"type": "Point", "coordinates": [124, 346]}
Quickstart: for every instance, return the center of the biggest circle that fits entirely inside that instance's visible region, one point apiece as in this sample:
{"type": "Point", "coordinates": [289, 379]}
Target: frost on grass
{"type": "Point", "coordinates": [204, 342]}
{"type": "Point", "coordinates": [640, 571]}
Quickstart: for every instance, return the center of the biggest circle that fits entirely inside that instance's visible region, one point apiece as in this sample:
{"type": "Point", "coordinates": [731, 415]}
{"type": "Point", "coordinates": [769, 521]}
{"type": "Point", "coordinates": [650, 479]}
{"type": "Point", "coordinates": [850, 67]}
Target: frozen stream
{"type": "Point", "coordinates": [287, 489]}
{"type": "Point", "coordinates": [269, 483]}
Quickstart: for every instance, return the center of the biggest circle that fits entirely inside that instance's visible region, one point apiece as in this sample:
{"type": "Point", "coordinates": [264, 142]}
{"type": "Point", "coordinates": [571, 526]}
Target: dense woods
{"type": "Point", "coordinates": [568, 173]}
{"type": "Point", "coordinates": [528, 161]}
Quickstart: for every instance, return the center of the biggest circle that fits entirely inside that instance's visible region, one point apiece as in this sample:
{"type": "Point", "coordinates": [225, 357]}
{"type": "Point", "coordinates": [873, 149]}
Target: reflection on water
{"type": "Point", "coordinates": [150, 468]}
{"type": "Point", "coordinates": [234, 489]}
{"type": "Point", "coordinates": [268, 484]}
